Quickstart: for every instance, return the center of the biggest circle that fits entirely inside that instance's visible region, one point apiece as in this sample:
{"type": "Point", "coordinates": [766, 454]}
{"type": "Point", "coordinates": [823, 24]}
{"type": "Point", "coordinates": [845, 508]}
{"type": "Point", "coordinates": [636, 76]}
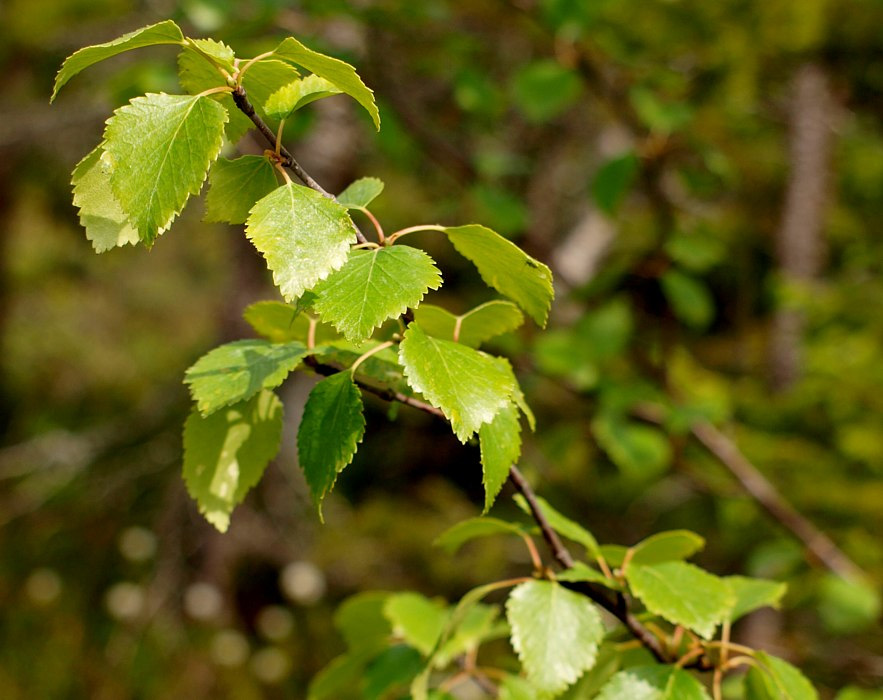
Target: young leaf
{"type": "Point", "coordinates": [372, 286]}
{"type": "Point", "coordinates": [777, 680]}
{"type": "Point", "coordinates": [161, 147]}
{"type": "Point", "coordinates": [394, 667]}
{"type": "Point", "coordinates": [416, 619]}
{"type": "Point", "coordinates": [477, 325]}
{"type": "Point", "coordinates": [297, 94]}
{"type": "Point", "coordinates": [330, 431]}
{"type": "Point", "coordinates": [500, 442]}
{"type": "Point", "coordinates": [100, 214]}
{"type": "Point", "coordinates": [339, 678]}
{"type": "Point", "coordinates": [477, 627]}
{"type": "Point", "coordinates": [753, 593]}
{"type": "Point", "coordinates": [218, 50]}
{"type": "Point", "coordinates": [653, 683]}
{"type": "Point", "coordinates": [555, 632]}
{"type": "Point", "coordinates": [667, 546]}
{"type": "Point", "coordinates": [161, 33]}
{"type": "Point", "coordinates": [238, 370]}
{"type": "Point", "coordinates": [303, 236]}
{"type": "Point", "coordinates": [361, 192]}
{"type": "Point", "coordinates": [613, 181]}
{"type": "Point", "coordinates": [582, 572]}
{"type": "Point", "coordinates": [506, 268]}
{"type": "Point", "coordinates": [235, 186]}
{"type": "Point", "coordinates": [337, 72]}
{"type": "Point", "coordinates": [226, 453]}
{"type": "Point", "coordinates": [682, 594]}
{"type": "Point", "coordinates": [563, 525]}
{"type": "Point", "coordinates": [456, 536]}
{"type": "Point", "coordinates": [468, 386]}
{"type": "Point", "coordinates": [361, 621]}
{"type": "Point", "coordinates": [277, 321]}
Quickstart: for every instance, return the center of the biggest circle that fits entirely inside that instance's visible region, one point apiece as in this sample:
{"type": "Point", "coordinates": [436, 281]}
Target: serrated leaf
{"type": "Point", "coordinates": [776, 679]}
{"type": "Point", "coordinates": [277, 321]}
{"type": "Point", "coordinates": [226, 453]}
{"type": "Point", "coordinates": [361, 621]}
{"type": "Point", "coordinates": [582, 572]}
{"type": "Point", "coordinates": [335, 71]}
{"type": "Point", "coordinates": [667, 546]}
{"type": "Point", "coordinates": [416, 619]}
{"type": "Point", "coordinates": [477, 325]}
{"type": "Point", "coordinates": [682, 594]}
{"type": "Point", "coordinates": [372, 286]}
{"type": "Point", "coordinates": [563, 525]}
{"type": "Point", "coordinates": [166, 32]}
{"type": "Point", "coordinates": [653, 683]}
{"type": "Point", "coordinates": [506, 268]}
{"type": "Point", "coordinates": [457, 535]}
{"type": "Point", "coordinates": [161, 147]}
{"type": "Point", "coordinates": [218, 50]}
{"type": "Point", "coordinates": [238, 370]}
{"type": "Point", "coordinates": [303, 236]}
{"type": "Point", "coordinates": [468, 386]}
{"type": "Point", "coordinates": [753, 593]}
{"type": "Point", "coordinates": [297, 94]}
{"type": "Point", "coordinates": [361, 192]}
{"type": "Point", "coordinates": [521, 402]}
{"type": "Point", "coordinates": [330, 431]}
{"type": "Point", "coordinates": [555, 633]}
{"type": "Point", "coordinates": [100, 214]}
{"type": "Point", "coordinates": [500, 442]}
{"type": "Point", "coordinates": [235, 186]}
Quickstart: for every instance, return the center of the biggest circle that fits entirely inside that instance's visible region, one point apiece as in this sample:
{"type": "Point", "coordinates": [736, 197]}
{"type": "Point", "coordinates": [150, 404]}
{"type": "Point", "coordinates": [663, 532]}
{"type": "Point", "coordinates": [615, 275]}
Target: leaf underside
{"type": "Point", "coordinates": [500, 442]}
{"type": "Point", "coordinates": [235, 186]}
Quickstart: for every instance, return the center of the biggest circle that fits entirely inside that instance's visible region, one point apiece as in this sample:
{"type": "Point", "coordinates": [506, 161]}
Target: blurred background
{"type": "Point", "coordinates": [705, 180]}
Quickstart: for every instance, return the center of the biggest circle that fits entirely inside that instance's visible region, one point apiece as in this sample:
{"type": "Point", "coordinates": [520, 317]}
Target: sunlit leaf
{"type": "Point", "coordinates": [753, 593]}
{"type": "Point", "coordinates": [653, 683]}
{"type": "Point", "coordinates": [667, 546]}
{"type": "Point", "coordinates": [500, 442]}
{"type": "Point", "coordinates": [416, 619]}
{"type": "Point", "coordinates": [477, 325]}
{"type": "Point", "coordinates": [775, 679]}
{"type": "Point", "coordinates": [297, 94]}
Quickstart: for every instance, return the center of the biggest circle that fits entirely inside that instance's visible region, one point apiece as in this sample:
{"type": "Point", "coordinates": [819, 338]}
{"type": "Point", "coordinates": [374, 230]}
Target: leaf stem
{"type": "Point", "coordinates": [279, 135]}
{"type": "Point", "coordinates": [413, 229]}
{"type": "Point", "coordinates": [215, 90]}
{"type": "Point", "coordinates": [249, 63]}
{"type": "Point", "coordinates": [372, 351]}
{"type": "Point", "coordinates": [535, 558]}
{"type": "Point", "coordinates": [377, 227]}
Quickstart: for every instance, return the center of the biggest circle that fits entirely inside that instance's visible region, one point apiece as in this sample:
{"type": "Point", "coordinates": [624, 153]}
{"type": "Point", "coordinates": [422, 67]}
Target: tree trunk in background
{"type": "Point", "coordinates": [799, 244]}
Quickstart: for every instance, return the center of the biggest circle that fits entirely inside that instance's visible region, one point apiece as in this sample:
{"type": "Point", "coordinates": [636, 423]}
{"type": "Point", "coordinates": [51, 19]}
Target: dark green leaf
{"type": "Point", "coordinates": [563, 525]}
{"type": "Point", "coordinates": [690, 299]}
{"type": "Point", "coordinates": [667, 546]}
{"type": "Point", "coordinates": [613, 181]}
{"type": "Point", "coordinates": [361, 192]}
{"type": "Point", "coordinates": [235, 186]}
{"type": "Point", "coordinates": [753, 593]}
{"type": "Point", "coordinates": [456, 536]}
{"type": "Point", "coordinates": [500, 442]}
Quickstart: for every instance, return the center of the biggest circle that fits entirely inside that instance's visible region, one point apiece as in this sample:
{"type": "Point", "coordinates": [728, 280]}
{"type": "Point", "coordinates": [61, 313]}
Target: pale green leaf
{"type": "Point", "coordinates": [500, 442]}
{"type": "Point", "coordinates": [776, 679]}
{"type": "Point", "coordinates": [555, 632]}
{"type": "Point", "coordinates": [100, 213]}
{"type": "Point", "coordinates": [653, 683]}
{"type": "Point", "coordinates": [218, 51]}
{"type": "Point", "coordinates": [477, 627]}
{"type": "Point", "coordinates": [330, 431]}
{"type": "Point", "coordinates": [516, 688]}
{"type": "Point", "coordinates": [361, 621]}
{"type": "Point", "coordinates": [335, 71]}
{"type": "Point", "coordinates": [297, 94]}
{"type": "Point", "coordinates": [226, 453]}
{"type": "Point", "coordinates": [303, 236]}
{"type": "Point", "coordinates": [506, 268]}
{"type": "Point", "coordinates": [277, 321]}
{"type": "Point", "coordinates": [469, 386]}
{"type": "Point", "coordinates": [372, 286]}
{"type": "Point", "coordinates": [521, 402]}
{"type": "Point", "coordinates": [238, 370]}
{"type": "Point", "coordinates": [472, 328]}
{"type": "Point", "coordinates": [361, 192]}
{"type": "Point", "coordinates": [753, 593]}
{"type": "Point", "coordinates": [683, 594]}
{"type": "Point", "coordinates": [582, 572]}
{"type": "Point", "coordinates": [416, 619]}
{"type": "Point", "coordinates": [166, 32]}
{"type": "Point", "coordinates": [561, 524]}
{"type": "Point", "coordinates": [457, 535]}
{"type": "Point", "coordinates": [161, 147]}
{"type": "Point", "coordinates": [667, 546]}
{"type": "Point", "coordinates": [235, 186]}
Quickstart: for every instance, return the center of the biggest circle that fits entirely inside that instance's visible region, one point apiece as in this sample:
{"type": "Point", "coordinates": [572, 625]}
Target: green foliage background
{"type": "Point", "coordinates": [491, 112]}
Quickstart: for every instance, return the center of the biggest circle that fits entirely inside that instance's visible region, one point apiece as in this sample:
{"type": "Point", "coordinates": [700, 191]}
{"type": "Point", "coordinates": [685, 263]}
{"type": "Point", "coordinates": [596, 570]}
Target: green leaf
{"type": "Point", "coordinates": [563, 525]}
{"type": "Point", "coordinates": [100, 214]}
{"type": "Point", "coordinates": [667, 546]}
{"type": "Point", "coordinates": [335, 71]}
{"type": "Point", "coordinates": [753, 593]}
{"type": "Point", "coordinates": [500, 442]}
{"type": "Point", "coordinates": [235, 187]}
{"type": "Point", "coordinates": [361, 621]}
{"type": "Point", "coordinates": [161, 147]}
{"type": "Point", "coordinates": [394, 667]}
{"type": "Point", "coordinates": [469, 386]}
{"type": "Point", "coordinates": [477, 325]}
{"type": "Point", "coordinates": [339, 676]}
{"type": "Point", "coordinates": [297, 94]}
{"type": "Point", "coordinates": [219, 52]}
{"type": "Point", "coordinates": [277, 321]}
{"type": "Point", "coordinates": [330, 431]}
{"type": "Point", "coordinates": [506, 268]}
{"type": "Point", "coordinates": [554, 631]}
{"type": "Point", "coordinates": [682, 594]}
{"type": "Point", "coordinates": [777, 680]}
{"type": "Point", "coordinates": [544, 89]}
{"type": "Point", "coordinates": [582, 572]}
{"type": "Point", "coordinates": [516, 688]}
{"type": "Point", "coordinates": [226, 453]}
{"type": "Point", "coordinates": [361, 192]}
{"type": "Point", "coordinates": [416, 619]}
{"type": "Point", "coordinates": [641, 452]}
{"type": "Point", "coordinates": [372, 286]}
{"type": "Point", "coordinates": [303, 236]}
{"type": "Point", "coordinates": [653, 683]}
{"type": "Point", "coordinates": [161, 33]}
{"type": "Point", "coordinates": [477, 627]}
{"type": "Point", "coordinates": [613, 181]}
{"type": "Point", "coordinates": [238, 370]}
{"type": "Point", "coordinates": [456, 536]}
{"type": "Point", "coordinates": [690, 299]}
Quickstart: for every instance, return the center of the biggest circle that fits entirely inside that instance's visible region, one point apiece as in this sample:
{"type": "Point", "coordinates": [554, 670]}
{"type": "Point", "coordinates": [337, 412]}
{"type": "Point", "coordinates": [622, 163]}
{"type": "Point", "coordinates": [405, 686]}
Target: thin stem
{"type": "Point", "coordinates": [215, 91]}
{"type": "Point", "coordinates": [311, 333]}
{"type": "Point", "coordinates": [372, 351]}
{"type": "Point", "coordinates": [368, 244]}
{"type": "Point", "coordinates": [535, 558]}
{"type": "Point", "coordinates": [377, 227]}
{"type": "Point", "coordinates": [193, 46]}
{"type": "Point", "coordinates": [278, 166]}
{"type": "Point", "coordinates": [457, 324]}
{"type": "Point", "coordinates": [413, 229]}
{"type": "Point", "coordinates": [250, 62]}
{"type": "Point", "coordinates": [279, 136]}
